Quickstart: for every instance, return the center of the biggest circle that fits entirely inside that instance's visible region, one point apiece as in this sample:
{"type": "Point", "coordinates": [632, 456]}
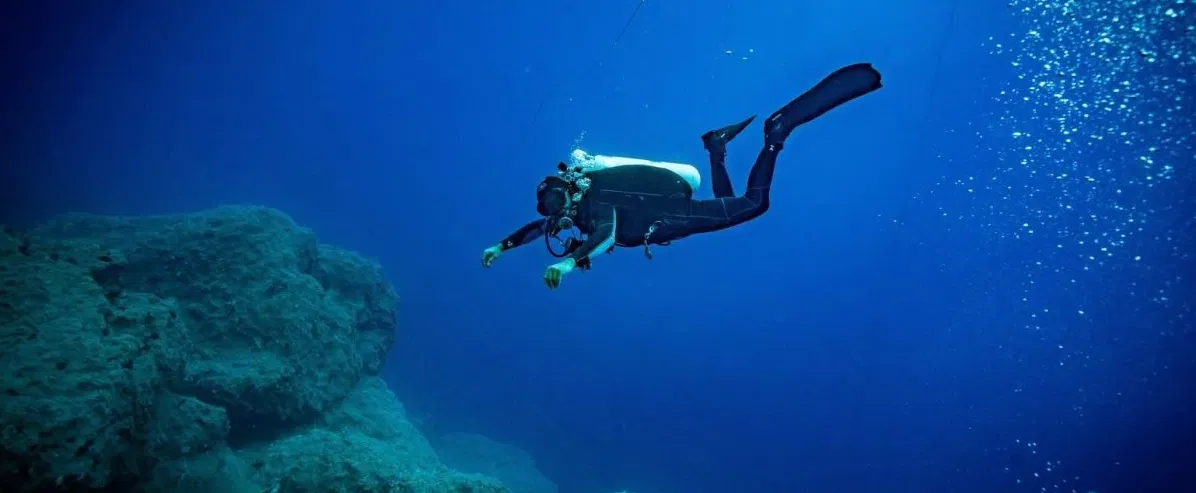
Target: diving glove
{"type": "Point", "coordinates": [491, 254]}
{"type": "Point", "coordinates": [552, 276]}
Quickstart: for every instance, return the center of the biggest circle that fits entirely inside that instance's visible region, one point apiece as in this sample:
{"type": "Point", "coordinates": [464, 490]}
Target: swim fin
{"type": "Point", "coordinates": [843, 85]}
{"type": "Point", "coordinates": [716, 140]}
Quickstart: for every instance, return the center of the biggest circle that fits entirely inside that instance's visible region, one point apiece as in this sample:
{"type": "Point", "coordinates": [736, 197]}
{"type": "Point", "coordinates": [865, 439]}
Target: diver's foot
{"type": "Point", "coordinates": [843, 85]}
{"type": "Point", "coordinates": [716, 140]}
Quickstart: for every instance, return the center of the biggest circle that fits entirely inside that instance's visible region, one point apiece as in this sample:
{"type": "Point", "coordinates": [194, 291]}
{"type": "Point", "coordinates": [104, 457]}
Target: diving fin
{"type": "Point", "coordinates": [843, 85]}
{"type": "Point", "coordinates": [716, 140]}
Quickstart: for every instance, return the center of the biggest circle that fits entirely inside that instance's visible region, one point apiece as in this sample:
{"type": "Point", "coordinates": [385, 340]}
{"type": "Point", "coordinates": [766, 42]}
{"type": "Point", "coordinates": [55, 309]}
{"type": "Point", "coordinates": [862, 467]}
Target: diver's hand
{"type": "Point", "coordinates": [552, 276]}
{"type": "Point", "coordinates": [491, 254]}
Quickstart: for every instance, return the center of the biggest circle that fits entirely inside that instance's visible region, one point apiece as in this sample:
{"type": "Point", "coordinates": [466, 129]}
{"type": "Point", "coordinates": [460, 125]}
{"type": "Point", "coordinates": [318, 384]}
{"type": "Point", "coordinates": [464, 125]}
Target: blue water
{"type": "Point", "coordinates": [970, 281]}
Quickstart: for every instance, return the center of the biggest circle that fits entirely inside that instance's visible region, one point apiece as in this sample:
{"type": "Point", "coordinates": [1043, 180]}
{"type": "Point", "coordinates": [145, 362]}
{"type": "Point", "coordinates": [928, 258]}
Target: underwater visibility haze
{"type": "Point", "coordinates": [244, 246]}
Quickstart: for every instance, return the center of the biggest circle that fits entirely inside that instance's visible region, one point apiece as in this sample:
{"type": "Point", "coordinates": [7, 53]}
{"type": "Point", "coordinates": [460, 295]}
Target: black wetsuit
{"type": "Point", "coordinates": [642, 205]}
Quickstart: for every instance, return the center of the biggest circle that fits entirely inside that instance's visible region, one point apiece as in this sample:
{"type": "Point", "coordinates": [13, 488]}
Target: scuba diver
{"type": "Point", "coordinates": [633, 206]}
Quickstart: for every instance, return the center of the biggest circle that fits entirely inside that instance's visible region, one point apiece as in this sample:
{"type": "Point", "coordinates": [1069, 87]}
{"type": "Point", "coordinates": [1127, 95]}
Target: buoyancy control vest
{"type": "Point", "coordinates": [630, 184]}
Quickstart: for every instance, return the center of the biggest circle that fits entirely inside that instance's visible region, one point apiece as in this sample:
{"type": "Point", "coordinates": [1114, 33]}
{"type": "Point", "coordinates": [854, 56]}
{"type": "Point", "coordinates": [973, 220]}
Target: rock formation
{"type": "Point", "coordinates": [220, 351]}
{"type": "Point", "coordinates": [478, 454]}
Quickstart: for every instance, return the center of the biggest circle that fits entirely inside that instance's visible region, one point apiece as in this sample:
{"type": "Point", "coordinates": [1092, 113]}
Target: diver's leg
{"type": "Point", "coordinates": [724, 212]}
{"type": "Point", "coordinates": [843, 85]}
{"type": "Point", "coordinates": [754, 201]}
{"type": "Point", "coordinates": [704, 216]}
{"type": "Point", "coordinates": [720, 182]}
{"type": "Point", "coordinates": [715, 142]}
{"type": "Point", "coordinates": [840, 87]}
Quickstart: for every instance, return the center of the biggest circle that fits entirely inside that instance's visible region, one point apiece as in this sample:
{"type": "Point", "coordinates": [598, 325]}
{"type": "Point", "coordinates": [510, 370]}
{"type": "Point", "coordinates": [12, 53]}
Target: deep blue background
{"type": "Point", "coordinates": [868, 334]}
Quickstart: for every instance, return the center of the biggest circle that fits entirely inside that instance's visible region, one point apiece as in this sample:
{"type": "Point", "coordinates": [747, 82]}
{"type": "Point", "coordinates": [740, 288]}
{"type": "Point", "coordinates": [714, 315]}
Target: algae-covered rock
{"type": "Point", "coordinates": [183, 426]}
{"type": "Point", "coordinates": [225, 351]}
{"type": "Point", "coordinates": [217, 470]}
{"type": "Point", "coordinates": [473, 453]}
{"type": "Point", "coordinates": [364, 445]}
{"type": "Point", "coordinates": [373, 411]}
{"type": "Point", "coordinates": [283, 326]}
{"type": "Point", "coordinates": [80, 370]}
{"type": "Point", "coordinates": [138, 353]}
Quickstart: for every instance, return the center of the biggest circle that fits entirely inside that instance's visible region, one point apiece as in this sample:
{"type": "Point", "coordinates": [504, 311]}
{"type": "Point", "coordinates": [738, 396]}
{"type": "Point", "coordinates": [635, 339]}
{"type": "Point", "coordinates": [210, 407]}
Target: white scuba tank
{"type": "Point", "coordinates": [592, 162]}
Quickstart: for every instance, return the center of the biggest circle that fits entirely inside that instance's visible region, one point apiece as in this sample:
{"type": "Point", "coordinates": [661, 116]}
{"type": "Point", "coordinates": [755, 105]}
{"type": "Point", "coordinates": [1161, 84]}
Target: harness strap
{"type": "Point", "coordinates": [648, 237]}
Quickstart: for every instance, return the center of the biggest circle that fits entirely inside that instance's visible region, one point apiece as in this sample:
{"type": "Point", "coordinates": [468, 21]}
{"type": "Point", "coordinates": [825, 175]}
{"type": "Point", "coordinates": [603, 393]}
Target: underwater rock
{"type": "Point", "coordinates": [373, 411]}
{"type": "Point", "coordinates": [154, 353]}
{"type": "Point", "coordinates": [287, 326]}
{"type": "Point", "coordinates": [473, 453]}
{"type": "Point", "coordinates": [218, 470]}
{"type": "Point", "coordinates": [184, 426]}
{"type": "Point", "coordinates": [365, 445]}
{"type": "Point", "coordinates": [80, 371]}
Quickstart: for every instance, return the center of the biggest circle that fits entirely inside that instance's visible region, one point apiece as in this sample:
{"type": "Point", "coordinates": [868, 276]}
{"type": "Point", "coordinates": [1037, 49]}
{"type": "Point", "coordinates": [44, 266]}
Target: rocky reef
{"type": "Point", "coordinates": [479, 454]}
{"type": "Point", "coordinates": [224, 351]}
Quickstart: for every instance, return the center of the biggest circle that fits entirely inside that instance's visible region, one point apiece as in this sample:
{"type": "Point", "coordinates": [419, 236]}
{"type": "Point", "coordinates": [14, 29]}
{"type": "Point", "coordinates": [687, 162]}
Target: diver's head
{"type": "Point", "coordinates": [552, 197]}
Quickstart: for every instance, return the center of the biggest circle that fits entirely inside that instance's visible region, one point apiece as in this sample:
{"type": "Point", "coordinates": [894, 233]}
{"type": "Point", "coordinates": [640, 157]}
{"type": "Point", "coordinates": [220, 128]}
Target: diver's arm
{"type": "Point", "coordinates": [601, 239]}
{"type": "Point", "coordinates": [524, 235]}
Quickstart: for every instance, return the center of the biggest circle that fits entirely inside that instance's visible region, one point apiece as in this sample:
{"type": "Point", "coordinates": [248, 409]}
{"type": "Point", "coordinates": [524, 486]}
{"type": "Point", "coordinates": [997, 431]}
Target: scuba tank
{"type": "Point", "coordinates": [595, 162]}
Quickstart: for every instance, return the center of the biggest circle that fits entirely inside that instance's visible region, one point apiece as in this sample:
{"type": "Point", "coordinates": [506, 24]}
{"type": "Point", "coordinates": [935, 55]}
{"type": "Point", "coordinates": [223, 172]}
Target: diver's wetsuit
{"type": "Point", "coordinates": [643, 205]}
